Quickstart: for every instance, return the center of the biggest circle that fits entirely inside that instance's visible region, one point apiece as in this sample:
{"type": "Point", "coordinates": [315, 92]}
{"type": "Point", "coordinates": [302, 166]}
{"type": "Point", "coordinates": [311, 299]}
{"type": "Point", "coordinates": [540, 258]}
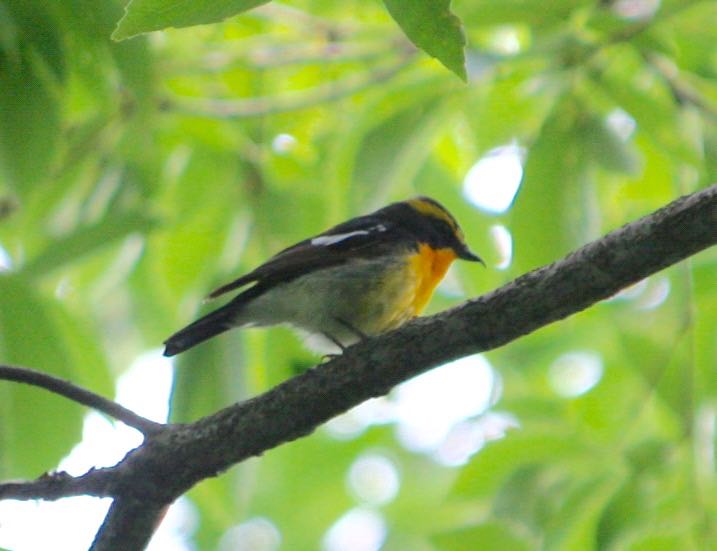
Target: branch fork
{"type": "Point", "coordinates": [173, 458]}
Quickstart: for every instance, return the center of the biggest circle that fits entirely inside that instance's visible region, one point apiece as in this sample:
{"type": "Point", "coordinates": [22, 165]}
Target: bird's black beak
{"type": "Point", "coordinates": [465, 254]}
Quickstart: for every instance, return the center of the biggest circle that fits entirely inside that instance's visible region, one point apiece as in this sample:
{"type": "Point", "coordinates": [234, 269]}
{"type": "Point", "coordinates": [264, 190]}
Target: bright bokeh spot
{"type": "Point", "coordinates": [430, 411]}
{"type": "Point", "coordinates": [630, 293]}
{"type": "Point", "coordinates": [646, 294]}
{"type": "Point", "coordinates": [575, 373]}
{"type": "Point", "coordinates": [656, 293]}
{"type": "Point", "coordinates": [147, 385]}
{"type": "Point", "coordinates": [636, 10]}
{"type": "Point", "coordinates": [467, 437]}
{"type": "Point", "coordinates": [428, 406]}
{"type": "Point", "coordinates": [177, 528]}
{"type": "Point", "coordinates": [462, 441]}
{"type": "Point", "coordinates": [358, 530]}
{"type": "Point", "coordinates": [5, 259]}
{"type": "Point", "coordinates": [503, 241]}
{"type": "Point", "coordinates": [68, 523]}
{"type": "Point", "coordinates": [376, 411]}
{"type": "Point", "coordinates": [505, 40]}
{"type": "Point", "coordinates": [373, 478]}
{"type": "Point", "coordinates": [283, 144]}
{"type": "Point", "coordinates": [255, 534]}
{"type": "Point", "coordinates": [492, 182]}
{"type": "Point", "coordinates": [621, 123]}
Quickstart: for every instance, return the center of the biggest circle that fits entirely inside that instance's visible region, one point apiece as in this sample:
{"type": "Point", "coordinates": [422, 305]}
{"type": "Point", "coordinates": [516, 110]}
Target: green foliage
{"type": "Point", "coordinates": [136, 176]}
{"type": "Point", "coordinates": [29, 114]}
{"type": "Point", "coordinates": [143, 16]}
{"type": "Point", "coordinates": [432, 27]}
{"type": "Point", "coordinates": [39, 333]}
{"type": "Point", "coordinates": [489, 535]}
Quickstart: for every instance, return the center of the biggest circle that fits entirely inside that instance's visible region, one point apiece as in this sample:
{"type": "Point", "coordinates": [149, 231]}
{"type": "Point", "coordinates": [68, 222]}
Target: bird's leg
{"type": "Point", "coordinates": [339, 345]}
{"type": "Point", "coordinates": [355, 330]}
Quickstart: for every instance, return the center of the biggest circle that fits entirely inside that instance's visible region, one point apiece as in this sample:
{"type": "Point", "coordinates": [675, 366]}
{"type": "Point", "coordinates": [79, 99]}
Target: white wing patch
{"type": "Point", "coordinates": [326, 240]}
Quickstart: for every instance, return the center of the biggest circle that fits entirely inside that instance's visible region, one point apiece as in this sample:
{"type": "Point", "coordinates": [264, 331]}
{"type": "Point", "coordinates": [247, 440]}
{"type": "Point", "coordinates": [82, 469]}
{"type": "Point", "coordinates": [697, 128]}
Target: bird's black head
{"type": "Point", "coordinates": [428, 220]}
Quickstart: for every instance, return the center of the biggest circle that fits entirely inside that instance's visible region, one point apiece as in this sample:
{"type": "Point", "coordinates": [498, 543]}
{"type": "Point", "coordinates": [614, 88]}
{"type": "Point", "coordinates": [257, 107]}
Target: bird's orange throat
{"type": "Point", "coordinates": [429, 266]}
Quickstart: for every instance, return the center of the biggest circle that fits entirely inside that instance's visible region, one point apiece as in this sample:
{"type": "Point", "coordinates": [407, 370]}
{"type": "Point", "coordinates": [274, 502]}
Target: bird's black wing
{"type": "Point", "coordinates": [360, 237]}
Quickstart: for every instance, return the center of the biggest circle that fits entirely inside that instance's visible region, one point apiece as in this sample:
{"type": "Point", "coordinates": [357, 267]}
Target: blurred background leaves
{"type": "Point", "coordinates": [136, 176]}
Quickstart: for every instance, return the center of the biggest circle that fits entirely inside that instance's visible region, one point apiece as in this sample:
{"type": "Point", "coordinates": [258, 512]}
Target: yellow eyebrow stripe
{"type": "Point", "coordinates": [429, 208]}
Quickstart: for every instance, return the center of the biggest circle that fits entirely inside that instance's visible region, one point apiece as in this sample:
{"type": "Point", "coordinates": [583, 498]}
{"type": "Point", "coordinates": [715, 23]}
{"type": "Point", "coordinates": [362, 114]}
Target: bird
{"type": "Point", "coordinates": [355, 280]}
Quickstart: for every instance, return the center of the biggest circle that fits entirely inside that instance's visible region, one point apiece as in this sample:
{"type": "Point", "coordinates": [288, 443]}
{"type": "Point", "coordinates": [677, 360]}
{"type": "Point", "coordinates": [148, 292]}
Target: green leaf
{"type": "Point", "coordinates": [705, 322]}
{"type": "Point", "coordinates": [36, 427]}
{"type": "Point", "coordinates": [431, 26]}
{"type": "Point", "coordinates": [682, 540]}
{"type": "Point", "coordinates": [87, 239]}
{"type": "Point", "coordinates": [32, 69]}
{"type": "Point", "coordinates": [143, 16]}
{"type": "Point", "coordinates": [546, 204]}
{"type": "Point", "coordinates": [606, 148]}
{"type": "Point", "coordinates": [494, 464]}
{"type": "Point", "coordinates": [205, 380]}
{"type": "Point", "coordinates": [509, 12]}
{"type": "Point", "coordinates": [662, 364]}
{"type": "Point", "coordinates": [489, 535]}
{"type": "Point", "coordinates": [404, 103]}
{"type": "Point", "coordinates": [574, 527]}
{"type": "Point", "coordinates": [654, 108]}
{"type": "Point", "coordinates": [393, 153]}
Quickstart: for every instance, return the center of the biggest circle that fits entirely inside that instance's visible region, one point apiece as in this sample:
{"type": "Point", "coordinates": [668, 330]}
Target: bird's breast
{"type": "Point", "coordinates": [428, 266]}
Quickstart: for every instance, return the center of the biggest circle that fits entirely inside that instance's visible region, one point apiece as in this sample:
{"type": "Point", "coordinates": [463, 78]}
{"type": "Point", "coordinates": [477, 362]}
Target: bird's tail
{"type": "Point", "coordinates": [204, 328]}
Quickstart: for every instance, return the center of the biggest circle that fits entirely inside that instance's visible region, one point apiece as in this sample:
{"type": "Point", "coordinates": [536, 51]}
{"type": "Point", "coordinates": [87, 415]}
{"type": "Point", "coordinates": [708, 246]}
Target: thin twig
{"type": "Point", "coordinates": [290, 101]}
{"type": "Point", "coordinates": [56, 485]}
{"type": "Point", "coordinates": [81, 396]}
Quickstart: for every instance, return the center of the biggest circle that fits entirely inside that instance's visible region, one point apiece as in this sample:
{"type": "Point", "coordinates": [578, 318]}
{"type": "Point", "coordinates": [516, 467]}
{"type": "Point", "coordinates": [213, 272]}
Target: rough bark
{"type": "Point", "coordinates": [175, 458]}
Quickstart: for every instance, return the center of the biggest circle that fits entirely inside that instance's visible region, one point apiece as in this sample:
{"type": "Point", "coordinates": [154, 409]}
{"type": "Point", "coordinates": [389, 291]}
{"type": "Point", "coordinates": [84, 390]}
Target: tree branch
{"type": "Point", "coordinates": [174, 459]}
{"type": "Point", "coordinates": [51, 486]}
{"type": "Point", "coordinates": [80, 395]}
{"type": "Point", "coordinates": [129, 524]}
